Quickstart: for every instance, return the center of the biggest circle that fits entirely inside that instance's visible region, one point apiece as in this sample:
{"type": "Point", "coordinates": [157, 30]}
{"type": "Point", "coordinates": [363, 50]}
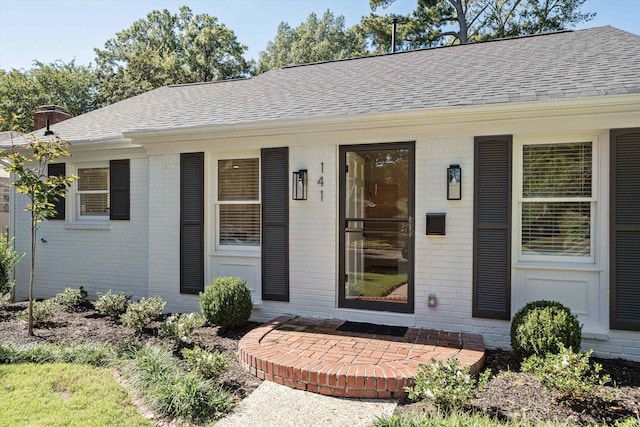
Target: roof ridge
{"type": "Point", "coordinates": [210, 82]}
{"type": "Point", "coordinates": [549, 33]}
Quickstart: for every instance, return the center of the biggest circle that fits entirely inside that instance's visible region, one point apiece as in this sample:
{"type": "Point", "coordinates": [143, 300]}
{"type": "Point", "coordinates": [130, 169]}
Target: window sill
{"type": "Point", "coordinates": [548, 265]}
{"type": "Point", "coordinates": [595, 335]}
{"type": "Point", "coordinates": [88, 226]}
{"type": "Point", "coordinates": [236, 253]}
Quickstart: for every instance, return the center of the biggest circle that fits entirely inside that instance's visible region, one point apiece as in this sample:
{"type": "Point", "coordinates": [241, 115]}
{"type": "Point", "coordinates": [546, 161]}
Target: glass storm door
{"type": "Point", "coordinates": [376, 227]}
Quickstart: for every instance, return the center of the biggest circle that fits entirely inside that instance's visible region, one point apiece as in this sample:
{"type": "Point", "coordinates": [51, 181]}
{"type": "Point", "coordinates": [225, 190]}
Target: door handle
{"type": "Point", "coordinates": [410, 226]}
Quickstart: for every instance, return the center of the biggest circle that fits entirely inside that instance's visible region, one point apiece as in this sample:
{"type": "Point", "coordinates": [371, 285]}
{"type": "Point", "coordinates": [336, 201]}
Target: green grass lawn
{"type": "Point", "coordinates": [61, 394]}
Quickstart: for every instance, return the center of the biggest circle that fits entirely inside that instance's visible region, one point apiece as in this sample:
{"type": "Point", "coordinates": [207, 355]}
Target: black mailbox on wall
{"type": "Point", "coordinates": [436, 224]}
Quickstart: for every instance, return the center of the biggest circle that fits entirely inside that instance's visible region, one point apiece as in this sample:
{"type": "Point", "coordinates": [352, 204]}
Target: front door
{"type": "Point", "coordinates": [376, 227]}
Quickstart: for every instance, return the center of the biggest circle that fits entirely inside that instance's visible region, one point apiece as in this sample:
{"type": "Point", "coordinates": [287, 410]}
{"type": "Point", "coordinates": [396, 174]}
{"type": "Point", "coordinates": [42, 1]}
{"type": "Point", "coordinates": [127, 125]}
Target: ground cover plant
{"type": "Point", "coordinates": [112, 305]}
{"type": "Point", "coordinates": [63, 394]}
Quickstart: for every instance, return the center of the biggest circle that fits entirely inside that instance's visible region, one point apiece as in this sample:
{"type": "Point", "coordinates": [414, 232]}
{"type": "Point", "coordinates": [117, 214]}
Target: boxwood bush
{"type": "Point", "coordinates": [226, 302]}
{"type": "Point", "coordinates": [542, 327]}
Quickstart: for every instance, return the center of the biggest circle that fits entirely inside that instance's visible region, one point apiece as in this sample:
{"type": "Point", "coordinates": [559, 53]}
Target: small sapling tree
{"type": "Point", "coordinates": [28, 163]}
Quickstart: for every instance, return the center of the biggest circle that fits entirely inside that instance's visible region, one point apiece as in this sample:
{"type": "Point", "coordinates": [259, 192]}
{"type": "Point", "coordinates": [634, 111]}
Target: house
{"type": "Point", "coordinates": [440, 188]}
{"type": "Point", "coordinates": [7, 138]}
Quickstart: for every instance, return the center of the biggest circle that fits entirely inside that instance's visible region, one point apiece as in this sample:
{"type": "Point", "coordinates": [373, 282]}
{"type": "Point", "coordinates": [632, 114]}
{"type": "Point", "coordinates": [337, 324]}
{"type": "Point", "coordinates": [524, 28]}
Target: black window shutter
{"type": "Point", "coordinates": [119, 189]}
{"type": "Point", "coordinates": [492, 227]}
{"type": "Point", "coordinates": [275, 224]}
{"type": "Point", "coordinates": [625, 230]}
{"type": "Point", "coordinates": [57, 169]}
{"type": "Point", "coordinates": [191, 223]}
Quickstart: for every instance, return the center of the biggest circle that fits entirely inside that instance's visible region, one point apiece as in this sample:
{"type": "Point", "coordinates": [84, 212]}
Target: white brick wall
{"type": "Point", "coordinates": [114, 258]}
{"type": "Point", "coordinates": [164, 233]}
{"type": "Point", "coordinates": [121, 259]}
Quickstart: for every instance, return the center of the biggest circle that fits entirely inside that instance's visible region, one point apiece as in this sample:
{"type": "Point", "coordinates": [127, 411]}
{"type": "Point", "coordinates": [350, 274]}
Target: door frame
{"type": "Point", "coordinates": [395, 307]}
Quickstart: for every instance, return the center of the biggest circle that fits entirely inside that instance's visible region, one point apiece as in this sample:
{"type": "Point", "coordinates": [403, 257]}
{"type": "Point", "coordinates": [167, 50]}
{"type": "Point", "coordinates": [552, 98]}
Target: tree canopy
{"type": "Point", "coordinates": [166, 48]}
{"type": "Point", "coordinates": [314, 40]}
{"type": "Point", "coordinates": [21, 92]}
{"type": "Point", "coordinates": [436, 22]}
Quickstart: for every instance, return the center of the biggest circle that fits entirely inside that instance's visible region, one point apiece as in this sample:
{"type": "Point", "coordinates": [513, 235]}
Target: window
{"type": "Point", "coordinates": [557, 203]}
{"type": "Point", "coordinates": [93, 193]}
{"type": "Point", "coordinates": [238, 203]}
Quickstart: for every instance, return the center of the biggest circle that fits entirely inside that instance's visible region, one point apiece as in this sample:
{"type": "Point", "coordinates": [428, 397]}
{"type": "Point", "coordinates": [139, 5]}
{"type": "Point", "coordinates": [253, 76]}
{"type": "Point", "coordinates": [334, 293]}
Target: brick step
{"type": "Point", "coordinates": [309, 354]}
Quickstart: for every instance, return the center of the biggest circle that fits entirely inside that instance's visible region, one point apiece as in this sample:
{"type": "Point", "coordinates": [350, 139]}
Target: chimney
{"type": "Point", "coordinates": [49, 115]}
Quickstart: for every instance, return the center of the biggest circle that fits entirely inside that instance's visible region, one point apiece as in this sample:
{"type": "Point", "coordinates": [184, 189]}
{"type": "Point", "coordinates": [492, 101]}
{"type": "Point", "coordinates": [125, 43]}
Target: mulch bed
{"type": "Point", "coordinates": [508, 395]}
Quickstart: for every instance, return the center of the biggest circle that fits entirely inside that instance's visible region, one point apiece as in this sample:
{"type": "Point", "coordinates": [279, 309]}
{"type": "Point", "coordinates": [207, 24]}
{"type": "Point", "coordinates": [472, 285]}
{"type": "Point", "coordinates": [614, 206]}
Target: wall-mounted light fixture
{"type": "Point", "coordinates": [299, 186]}
{"type": "Point", "coordinates": [433, 301]}
{"type": "Point", "coordinates": [454, 182]}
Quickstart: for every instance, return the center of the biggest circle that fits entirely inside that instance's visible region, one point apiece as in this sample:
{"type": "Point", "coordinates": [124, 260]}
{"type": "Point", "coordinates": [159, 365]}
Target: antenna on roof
{"type": "Point", "coordinates": [48, 131]}
{"type": "Point", "coordinates": [394, 22]}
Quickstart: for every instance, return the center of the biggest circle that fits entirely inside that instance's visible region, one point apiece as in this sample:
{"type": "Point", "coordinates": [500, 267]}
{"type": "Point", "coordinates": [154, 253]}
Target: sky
{"type": "Point", "coordinates": [50, 30]}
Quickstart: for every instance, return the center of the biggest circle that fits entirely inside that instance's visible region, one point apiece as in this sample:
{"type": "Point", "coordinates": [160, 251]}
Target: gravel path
{"type": "Point", "coordinates": [272, 404]}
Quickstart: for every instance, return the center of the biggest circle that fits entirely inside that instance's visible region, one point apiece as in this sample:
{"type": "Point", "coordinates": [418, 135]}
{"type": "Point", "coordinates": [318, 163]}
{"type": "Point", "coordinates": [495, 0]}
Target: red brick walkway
{"type": "Point", "coordinates": [310, 354]}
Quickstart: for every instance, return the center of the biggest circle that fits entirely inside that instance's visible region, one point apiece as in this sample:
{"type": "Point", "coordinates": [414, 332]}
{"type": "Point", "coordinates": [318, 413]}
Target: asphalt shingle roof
{"type": "Point", "coordinates": [573, 64]}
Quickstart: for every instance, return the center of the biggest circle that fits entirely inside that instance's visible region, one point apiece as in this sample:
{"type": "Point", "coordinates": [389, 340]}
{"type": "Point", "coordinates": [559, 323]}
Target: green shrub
{"type": "Point", "coordinates": [180, 328]}
{"type": "Point", "coordinates": [209, 364]}
{"type": "Point", "coordinates": [226, 302]}
{"type": "Point", "coordinates": [542, 327]}
{"type": "Point", "coordinates": [567, 372]}
{"type": "Point", "coordinates": [43, 311]}
{"type": "Point", "coordinates": [139, 315]}
{"type": "Point", "coordinates": [446, 385]}
{"type": "Point", "coordinates": [157, 375]}
{"type": "Point", "coordinates": [8, 259]}
{"type": "Point", "coordinates": [73, 298]}
{"type": "Point", "coordinates": [112, 305]}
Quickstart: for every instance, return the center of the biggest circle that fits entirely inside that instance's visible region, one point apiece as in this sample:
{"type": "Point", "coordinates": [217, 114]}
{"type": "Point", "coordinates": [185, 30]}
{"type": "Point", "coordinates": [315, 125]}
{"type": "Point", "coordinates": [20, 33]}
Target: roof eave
{"type": "Point", "coordinates": [452, 115]}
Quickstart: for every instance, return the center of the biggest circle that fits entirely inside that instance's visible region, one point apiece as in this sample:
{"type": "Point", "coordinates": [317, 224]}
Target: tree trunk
{"type": "Point", "coordinates": [31, 273]}
{"type": "Point", "coordinates": [463, 34]}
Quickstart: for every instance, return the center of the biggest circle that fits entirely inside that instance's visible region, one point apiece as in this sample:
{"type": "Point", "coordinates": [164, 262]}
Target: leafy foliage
{"type": "Point", "coordinates": [436, 22]}
{"type": "Point", "coordinates": [209, 364]}
{"type": "Point", "coordinates": [113, 305]}
{"type": "Point", "coordinates": [73, 298]}
{"type": "Point", "coordinates": [21, 92]}
{"type": "Point", "coordinates": [542, 327]}
{"type": "Point", "coordinates": [567, 372]}
{"type": "Point", "coordinates": [8, 259]}
{"type": "Point", "coordinates": [167, 48]}
{"type": "Point", "coordinates": [139, 315]}
{"type": "Point", "coordinates": [226, 302]}
{"type": "Point", "coordinates": [171, 391]}
{"type": "Point", "coordinates": [29, 164]}
{"type": "Point", "coordinates": [315, 40]}
{"type": "Point", "coordinates": [42, 311]}
{"type": "Point", "coordinates": [448, 386]}
{"type": "Point", "coordinates": [180, 328]}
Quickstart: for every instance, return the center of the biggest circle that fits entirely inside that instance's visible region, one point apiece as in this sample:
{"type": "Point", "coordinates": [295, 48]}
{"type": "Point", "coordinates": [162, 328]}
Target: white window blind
{"type": "Point", "coordinates": [239, 202]}
{"type": "Point", "coordinates": [238, 180]}
{"type": "Point", "coordinates": [93, 191]}
{"type": "Point", "coordinates": [557, 199]}
{"type": "Point", "coordinates": [557, 170]}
